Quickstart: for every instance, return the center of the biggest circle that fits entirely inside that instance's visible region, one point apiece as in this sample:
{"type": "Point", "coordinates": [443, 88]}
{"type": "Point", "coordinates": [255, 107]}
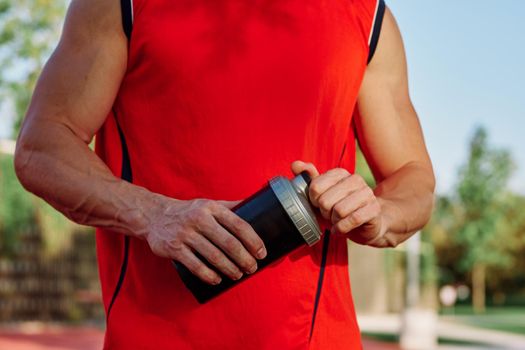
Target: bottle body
{"type": "Point", "coordinates": [265, 212]}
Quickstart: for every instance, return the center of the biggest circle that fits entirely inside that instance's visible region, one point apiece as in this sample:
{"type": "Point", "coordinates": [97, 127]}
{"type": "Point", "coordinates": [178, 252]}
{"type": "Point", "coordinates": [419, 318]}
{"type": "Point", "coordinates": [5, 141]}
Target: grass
{"type": "Point", "coordinates": [394, 338]}
{"type": "Point", "coordinates": [506, 319]}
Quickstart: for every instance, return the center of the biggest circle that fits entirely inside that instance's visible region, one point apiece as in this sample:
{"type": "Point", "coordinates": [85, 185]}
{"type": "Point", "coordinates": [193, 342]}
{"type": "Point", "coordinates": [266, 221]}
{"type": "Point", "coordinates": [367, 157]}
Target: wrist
{"type": "Point", "coordinates": [140, 210]}
{"type": "Point", "coordinates": [384, 223]}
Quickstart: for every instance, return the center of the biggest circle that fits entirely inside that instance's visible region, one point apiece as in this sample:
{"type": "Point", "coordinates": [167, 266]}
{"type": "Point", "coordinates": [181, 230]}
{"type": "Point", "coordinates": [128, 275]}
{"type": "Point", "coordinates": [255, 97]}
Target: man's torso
{"type": "Point", "coordinates": [219, 97]}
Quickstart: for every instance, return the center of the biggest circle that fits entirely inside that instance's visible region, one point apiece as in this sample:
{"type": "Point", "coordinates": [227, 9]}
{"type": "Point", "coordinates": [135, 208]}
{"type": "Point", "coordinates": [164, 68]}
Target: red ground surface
{"type": "Point", "coordinates": [84, 338]}
{"type": "Point", "coordinates": [52, 338]}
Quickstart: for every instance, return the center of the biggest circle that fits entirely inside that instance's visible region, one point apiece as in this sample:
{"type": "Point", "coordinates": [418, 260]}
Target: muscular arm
{"type": "Point", "coordinates": [392, 142]}
{"type": "Point", "coordinates": [72, 99]}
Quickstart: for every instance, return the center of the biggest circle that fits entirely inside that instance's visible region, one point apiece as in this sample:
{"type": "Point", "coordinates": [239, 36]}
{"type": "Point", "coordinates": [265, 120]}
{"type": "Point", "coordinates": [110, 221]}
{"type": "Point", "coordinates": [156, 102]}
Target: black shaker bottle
{"type": "Point", "coordinates": [281, 215]}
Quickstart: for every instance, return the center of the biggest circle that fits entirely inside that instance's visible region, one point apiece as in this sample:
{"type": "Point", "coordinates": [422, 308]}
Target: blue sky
{"type": "Point", "coordinates": [466, 68]}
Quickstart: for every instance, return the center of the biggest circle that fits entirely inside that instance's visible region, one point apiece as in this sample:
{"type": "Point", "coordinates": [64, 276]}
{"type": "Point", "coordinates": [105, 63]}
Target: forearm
{"type": "Point", "coordinates": [55, 164]}
{"type": "Point", "coordinates": [406, 198]}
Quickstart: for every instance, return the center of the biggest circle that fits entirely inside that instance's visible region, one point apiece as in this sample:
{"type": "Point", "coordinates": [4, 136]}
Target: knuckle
{"type": "Point", "coordinates": [241, 225]}
{"type": "Point", "coordinates": [182, 236]}
{"type": "Point", "coordinates": [212, 205]}
{"type": "Point", "coordinates": [358, 179]}
{"type": "Point", "coordinates": [203, 224]}
{"type": "Point", "coordinates": [356, 218]}
{"type": "Point", "coordinates": [231, 244]}
{"type": "Point", "coordinates": [204, 206]}
{"type": "Point", "coordinates": [199, 202]}
{"type": "Point", "coordinates": [347, 180]}
{"type": "Point", "coordinates": [196, 214]}
{"type": "Point", "coordinates": [160, 250]}
{"type": "Point", "coordinates": [332, 171]}
{"type": "Point", "coordinates": [341, 227]}
{"type": "Point", "coordinates": [342, 171]}
{"type": "Point", "coordinates": [324, 203]}
{"type": "Point", "coordinates": [215, 258]}
{"type": "Point", "coordinates": [339, 210]}
{"type": "Point", "coordinates": [174, 247]}
{"type": "Point", "coordinates": [315, 189]}
{"type": "Point", "coordinates": [369, 192]}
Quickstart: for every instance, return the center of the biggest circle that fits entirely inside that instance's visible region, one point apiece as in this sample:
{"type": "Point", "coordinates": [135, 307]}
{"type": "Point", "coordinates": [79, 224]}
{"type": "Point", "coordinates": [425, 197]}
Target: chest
{"type": "Point", "coordinates": [230, 51]}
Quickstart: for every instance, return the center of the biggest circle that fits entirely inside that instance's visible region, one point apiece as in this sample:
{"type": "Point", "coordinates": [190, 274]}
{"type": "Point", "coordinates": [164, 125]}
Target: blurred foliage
{"type": "Point", "coordinates": [481, 195]}
{"type": "Point", "coordinates": [481, 225]}
{"type": "Point", "coordinates": [17, 213]}
{"type": "Point", "coordinates": [440, 231]}
{"type": "Point", "coordinates": [56, 230]}
{"type": "Point", "coordinates": [21, 212]}
{"type": "Point", "coordinates": [509, 277]}
{"type": "Point", "coordinates": [28, 31]}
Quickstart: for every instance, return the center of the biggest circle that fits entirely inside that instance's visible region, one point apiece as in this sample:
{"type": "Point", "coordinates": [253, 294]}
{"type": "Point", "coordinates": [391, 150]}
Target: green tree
{"type": "Point", "coordinates": [509, 280]}
{"type": "Point", "coordinates": [17, 212]}
{"type": "Point", "coordinates": [29, 29]}
{"type": "Point", "coordinates": [481, 193]}
{"type": "Point", "coordinates": [437, 233]}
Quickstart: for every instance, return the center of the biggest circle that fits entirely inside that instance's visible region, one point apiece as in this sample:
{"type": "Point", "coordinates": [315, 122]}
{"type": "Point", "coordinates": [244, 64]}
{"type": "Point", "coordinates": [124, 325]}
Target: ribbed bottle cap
{"type": "Point", "coordinates": [293, 197]}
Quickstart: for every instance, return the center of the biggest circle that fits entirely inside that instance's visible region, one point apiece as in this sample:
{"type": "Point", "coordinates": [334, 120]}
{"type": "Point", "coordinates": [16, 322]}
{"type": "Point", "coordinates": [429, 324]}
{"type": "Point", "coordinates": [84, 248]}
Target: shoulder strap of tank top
{"type": "Point", "coordinates": [376, 28]}
{"type": "Point", "coordinates": [126, 7]}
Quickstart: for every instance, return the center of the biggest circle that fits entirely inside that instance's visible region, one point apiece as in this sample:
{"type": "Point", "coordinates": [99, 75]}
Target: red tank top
{"type": "Point", "coordinates": [220, 96]}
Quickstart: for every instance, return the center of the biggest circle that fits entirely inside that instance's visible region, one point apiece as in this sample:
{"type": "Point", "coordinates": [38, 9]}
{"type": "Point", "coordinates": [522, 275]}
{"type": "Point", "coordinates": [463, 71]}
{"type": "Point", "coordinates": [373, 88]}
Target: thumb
{"type": "Point", "coordinates": [299, 166]}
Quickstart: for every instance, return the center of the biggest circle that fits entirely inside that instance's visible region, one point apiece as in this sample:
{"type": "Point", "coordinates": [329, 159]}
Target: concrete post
{"type": "Point", "coordinates": [418, 331]}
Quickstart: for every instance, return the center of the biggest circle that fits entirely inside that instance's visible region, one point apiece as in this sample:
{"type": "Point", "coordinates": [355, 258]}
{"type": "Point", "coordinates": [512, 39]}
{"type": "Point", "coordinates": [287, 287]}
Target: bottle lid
{"type": "Point", "coordinates": [293, 196]}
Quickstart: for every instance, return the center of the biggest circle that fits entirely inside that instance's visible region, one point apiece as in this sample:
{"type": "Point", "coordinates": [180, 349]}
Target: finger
{"type": "Point", "coordinates": [357, 218]}
{"type": "Point", "coordinates": [214, 256]}
{"type": "Point", "coordinates": [333, 195]}
{"type": "Point", "coordinates": [344, 187]}
{"type": "Point", "coordinates": [230, 245]}
{"type": "Point", "coordinates": [322, 183]}
{"type": "Point", "coordinates": [242, 230]}
{"type": "Point", "coordinates": [197, 267]}
{"type": "Point", "coordinates": [299, 166]}
{"type": "Point", "coordinates": [351, 203]}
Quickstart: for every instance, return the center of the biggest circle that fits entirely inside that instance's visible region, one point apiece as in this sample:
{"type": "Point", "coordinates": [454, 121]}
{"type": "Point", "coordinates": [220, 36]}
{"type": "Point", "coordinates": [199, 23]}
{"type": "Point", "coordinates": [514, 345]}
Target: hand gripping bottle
{"type": "Point", "coordinates": [281, 214]}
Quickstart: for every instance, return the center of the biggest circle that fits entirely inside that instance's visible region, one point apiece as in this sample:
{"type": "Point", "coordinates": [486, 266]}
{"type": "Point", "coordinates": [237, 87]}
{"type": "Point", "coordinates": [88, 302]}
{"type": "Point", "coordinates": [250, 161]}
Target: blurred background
{"type": "Point", "coordinates": [459, 284]}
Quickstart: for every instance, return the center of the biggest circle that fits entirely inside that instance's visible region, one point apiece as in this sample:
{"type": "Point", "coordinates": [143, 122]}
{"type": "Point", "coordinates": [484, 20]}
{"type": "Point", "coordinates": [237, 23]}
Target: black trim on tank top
{"type": "Point", "coordinates": [376, 29]}
{"type": "Point", "coordinates": [326, 242]}
{"type": "Point", "coordinates": [126, 7]}
{"type": "Point", "coordinates": [342, 155]}
{"type": "Point", "coordinates": [126, 175]}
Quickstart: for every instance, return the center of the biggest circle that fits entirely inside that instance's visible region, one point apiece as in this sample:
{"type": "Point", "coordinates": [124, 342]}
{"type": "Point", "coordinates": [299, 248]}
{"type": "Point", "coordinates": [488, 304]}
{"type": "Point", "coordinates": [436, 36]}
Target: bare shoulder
{"type": "Point", "coordinates": [78, 84]}
{"type": "Point", "coordinates": [387, 124]}
{"type": "Point", "coordinates": [389, 61]}
{"type": "Point", "coordinates": [92, 19]}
